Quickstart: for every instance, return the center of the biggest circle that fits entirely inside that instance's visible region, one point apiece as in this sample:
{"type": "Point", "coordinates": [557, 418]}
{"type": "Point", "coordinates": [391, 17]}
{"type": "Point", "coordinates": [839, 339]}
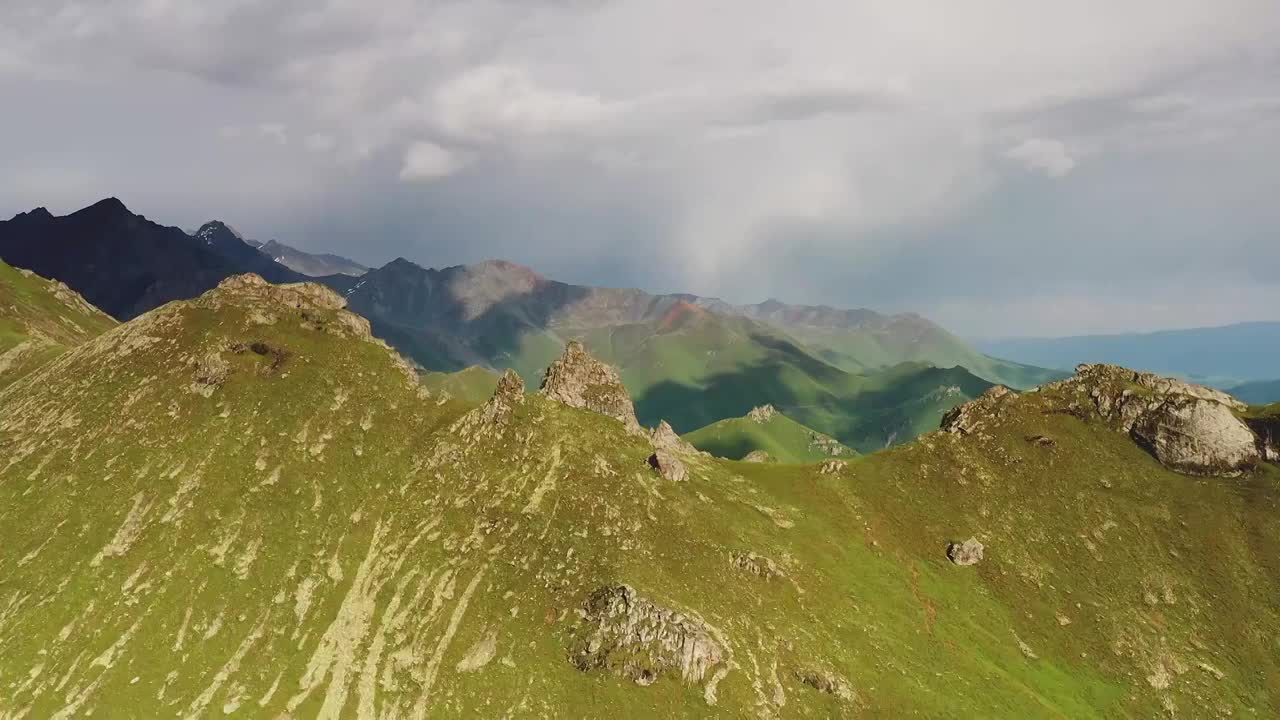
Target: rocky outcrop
{"type": "Point", "coordinates": [970, 417]}
{"type": "Point", "coordinates": [1189, 428]}
{"type": "Point", "coordinates": [664, 437]}
{"type": "Point", "coordinates": [629, 635]}
{"type": "Point", "coordinates": [832, 467]}
{"type": "Point", "coordinates": [509, 395]}
{"type": "Point", "coordinates": [827, 682]}
{"type": "Point", "coordinates": [762, 414]}
{"type": "Point", "coordinates": [968, 552]}
{"type": "Point", "coordinates": [579, 380]}
{"type": "Point", "coordinates": [757, 456]}
{"type": "Point", "coordinates": [316, 306]}
{"type": "Point", "coordinates": [668, 465]}
{"type": "Point", "coordinates": [758, 565]}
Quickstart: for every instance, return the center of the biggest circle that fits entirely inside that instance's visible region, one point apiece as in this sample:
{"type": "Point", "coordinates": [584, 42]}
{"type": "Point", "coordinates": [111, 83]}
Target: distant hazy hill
{"type": "Point", "coordinates": [311, 264]}
{"type": "Point", "coordinates": [1222, 356]}
{"type": "Point", "coordinates": [766, 430]}
{"type": "Point", "coordinates": [1259, 392]}
{"type": "Point", "coordinates": [860, 340]}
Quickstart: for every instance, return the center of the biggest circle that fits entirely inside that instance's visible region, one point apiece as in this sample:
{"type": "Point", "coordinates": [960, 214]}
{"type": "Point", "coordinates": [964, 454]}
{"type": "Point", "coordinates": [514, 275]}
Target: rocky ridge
{"type": "Point", "coordinates": [1189, 428]}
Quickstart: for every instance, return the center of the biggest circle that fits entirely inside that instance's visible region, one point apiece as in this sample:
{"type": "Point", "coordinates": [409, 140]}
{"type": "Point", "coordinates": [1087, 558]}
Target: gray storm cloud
{"type": "Point", "coordinates": [1005, 167]}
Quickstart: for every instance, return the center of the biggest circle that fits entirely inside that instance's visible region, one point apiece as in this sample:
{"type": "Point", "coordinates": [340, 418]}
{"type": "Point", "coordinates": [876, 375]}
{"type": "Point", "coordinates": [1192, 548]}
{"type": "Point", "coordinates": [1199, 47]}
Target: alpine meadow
{"type": "Point", "coordinates": [625, 359]}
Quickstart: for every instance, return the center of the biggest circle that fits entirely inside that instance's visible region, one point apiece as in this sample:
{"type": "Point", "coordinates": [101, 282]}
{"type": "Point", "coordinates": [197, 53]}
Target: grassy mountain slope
{"type": "Point", "coordinates": [242, 505]}
{"type": "Point", "coordinates": [40, 319]}
{"type": "Point", "coordinates": [784, 439]}
{"type": "Point", "coordinates": [473, 385]}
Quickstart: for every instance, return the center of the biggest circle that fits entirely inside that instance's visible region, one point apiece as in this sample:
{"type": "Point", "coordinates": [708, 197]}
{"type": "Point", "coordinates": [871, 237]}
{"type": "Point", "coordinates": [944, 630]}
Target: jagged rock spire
{"type": "Point", "coordinates": [579, 380]}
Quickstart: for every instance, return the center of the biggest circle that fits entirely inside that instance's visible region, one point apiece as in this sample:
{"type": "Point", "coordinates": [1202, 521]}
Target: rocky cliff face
{"type": "Point", "coordinates": [579, 380]}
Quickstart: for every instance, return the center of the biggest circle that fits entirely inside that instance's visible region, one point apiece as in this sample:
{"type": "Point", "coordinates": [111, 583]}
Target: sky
{"type": "Point", "coordinates": [1003, 167]}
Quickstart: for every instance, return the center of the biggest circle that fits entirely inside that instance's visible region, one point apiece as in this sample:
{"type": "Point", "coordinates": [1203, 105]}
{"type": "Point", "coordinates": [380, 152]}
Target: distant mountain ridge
{"type": "Point", "coordinates": [1224, 356]}
{"type": "Point", "coordinates": [311, 264]}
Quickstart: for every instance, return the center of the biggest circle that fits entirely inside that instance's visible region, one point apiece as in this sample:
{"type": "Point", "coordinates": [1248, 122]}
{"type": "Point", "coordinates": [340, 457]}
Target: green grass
{"type": "Point", "coordinates": [784, 439]}
{"type": "Point", "coordinates": [413, 531]}
{"type": "Point", "coordinates": [473, 385]}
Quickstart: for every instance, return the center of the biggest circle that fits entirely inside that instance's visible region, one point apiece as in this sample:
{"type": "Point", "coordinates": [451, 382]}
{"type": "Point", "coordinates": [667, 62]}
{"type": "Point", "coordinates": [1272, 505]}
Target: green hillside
{"type": "Point", "coordinates": [39, 319]}
{"type": "Point", "coordinates": [243, 505]}
{"type": "Point", "coordinates": [695, 367]}
{"type": "Point", "coordinates": [784, 439]}
{"type": "Point", "coordinates": [858, 350]}
{"type": "Point", "coordinates": [471, 385]}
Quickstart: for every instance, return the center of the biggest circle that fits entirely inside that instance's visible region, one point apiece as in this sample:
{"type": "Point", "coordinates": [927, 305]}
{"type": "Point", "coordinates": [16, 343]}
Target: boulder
{"type": "Point", "coordinates": [757, 456]}
{"type": "Point", "coordinates": [1197, 437]}
{"type": "Point", "coordinates": [579, 380]}
{"type": "Point", "coordinates": [1267, 428]}
{"type": "Point", "coordinates": [968, 552]}
{"type": "Point", "coordinates": [668, 465]}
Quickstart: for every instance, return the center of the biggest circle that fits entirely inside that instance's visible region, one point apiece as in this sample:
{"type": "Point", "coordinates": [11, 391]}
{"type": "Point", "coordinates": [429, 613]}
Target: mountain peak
{"type": "Point", "coordinates": [107, 207]}
{"type": "Point", "coordinates": [579, 380]}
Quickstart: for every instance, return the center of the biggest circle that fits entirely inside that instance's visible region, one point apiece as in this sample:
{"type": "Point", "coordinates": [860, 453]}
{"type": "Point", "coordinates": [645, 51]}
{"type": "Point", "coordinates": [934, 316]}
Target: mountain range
{"type": "Point", "coordinates": [1222, 356]}
{"type": "Point", "coordinates": [864, 378]}
{"type": "Point", "coordinates": [244, 504]}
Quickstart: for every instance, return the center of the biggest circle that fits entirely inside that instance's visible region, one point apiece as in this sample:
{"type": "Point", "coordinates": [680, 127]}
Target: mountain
{"type": "Point", "coordinates": [123, 263]}
{"type": "Point", "coordinates": [680, 361]}
{"type": "Point", "coordinates": [862, 340]}
{"type": "Point", "coordinates": [311, 264]}
{"type": "Point", "coordinates": [1223, 356]}
{"type": "Point", "coordinates": [765, 430]}
{"type": "Point", "coordinates": [40, 319]}
{"type": "Point", "coordinates": [244, 505]}
{"type": "Point", "coordinates": [1259, 392]}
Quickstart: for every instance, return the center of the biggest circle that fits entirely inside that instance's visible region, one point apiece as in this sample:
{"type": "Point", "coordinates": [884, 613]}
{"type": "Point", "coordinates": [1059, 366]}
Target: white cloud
{"type": "Point", "coordinates": [1047, 156]}
{"type": "Point", "coordinates": [274, 131]}
{"type": "Point", "coordinates": [425, 161]}
{"type": "Point", "coordinates": [495, 101]}
{"type": "Point", "coordinates": [320, 142]}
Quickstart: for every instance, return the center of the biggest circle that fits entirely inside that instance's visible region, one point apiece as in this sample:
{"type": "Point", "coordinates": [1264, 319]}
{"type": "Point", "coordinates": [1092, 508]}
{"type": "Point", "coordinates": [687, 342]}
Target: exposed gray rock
{"type": "Point", "coordinates": [972, 416]}
{"type": "Point", "coordinates": [762, 414]}
{"type": "Point", "coordinates": [757, 565]}
{"type": "Point", "coordinates": [968, 552]}
{"type": "Point", "coordinates": [211, 371]}
{"type": "Point", "coordinates": [757, 456]}
{"type": "Point", "coordinates": [832, 467]}
{"type": "Point", "coordinates": [505, 399]}
{"type": "Point", "coordinates": [668, 465]}
{"type": "Point", "coordinates": [827, 682]}
{"type": "Point", "coordinates": [1197, 437]}
{"type": "Point", "coordinates": [635, 638]}
{"type": "Point", "coordinates": [664, 437]}
{"type": "Point", "coordinates": [579, 380]}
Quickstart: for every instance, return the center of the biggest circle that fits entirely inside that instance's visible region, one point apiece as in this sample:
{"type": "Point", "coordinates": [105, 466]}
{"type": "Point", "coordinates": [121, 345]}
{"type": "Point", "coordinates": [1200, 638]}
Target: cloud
{"type": "Point", "coordinates": [854, 153]}
{"type": "Point", "coordinates": [427, 161]}
{"type": "Point", "coordinates": [1047, 156]}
